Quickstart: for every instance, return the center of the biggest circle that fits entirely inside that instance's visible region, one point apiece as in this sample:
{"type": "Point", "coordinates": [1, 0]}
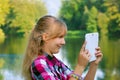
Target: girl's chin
{"type": "Point", "coordinates": [57, 51]}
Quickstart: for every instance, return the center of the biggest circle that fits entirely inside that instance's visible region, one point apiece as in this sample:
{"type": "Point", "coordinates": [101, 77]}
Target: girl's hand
{"type": "Point", "coordinates": [84, 56]}
{"type": "Point", "coordinates": [98, 55]}
{"type": "Point", "coordinates": [83, 59]}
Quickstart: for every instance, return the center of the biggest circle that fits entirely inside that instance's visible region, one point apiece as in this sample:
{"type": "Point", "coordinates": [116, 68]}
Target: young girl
{"type": "Point", "coordinates": [46, 39]}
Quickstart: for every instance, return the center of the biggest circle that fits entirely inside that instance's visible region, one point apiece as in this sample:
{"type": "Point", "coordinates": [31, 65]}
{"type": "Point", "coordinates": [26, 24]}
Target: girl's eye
{"type": "Point", "coordinates": [61, 36]}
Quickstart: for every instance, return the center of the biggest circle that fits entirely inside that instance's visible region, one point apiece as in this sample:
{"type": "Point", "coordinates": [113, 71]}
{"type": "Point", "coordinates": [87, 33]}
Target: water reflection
{"type": "Point", "coordinates": [11, 66]}
{"type": "Point", "coordinates": [10, 75]}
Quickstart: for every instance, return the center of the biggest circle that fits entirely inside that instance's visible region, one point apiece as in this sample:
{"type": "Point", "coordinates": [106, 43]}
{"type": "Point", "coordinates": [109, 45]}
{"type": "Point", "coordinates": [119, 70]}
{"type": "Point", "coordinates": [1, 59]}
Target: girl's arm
{"type": "Point", "coordinates": [83, 60]}
{"type": "Point", "coordinates": [94, 65]}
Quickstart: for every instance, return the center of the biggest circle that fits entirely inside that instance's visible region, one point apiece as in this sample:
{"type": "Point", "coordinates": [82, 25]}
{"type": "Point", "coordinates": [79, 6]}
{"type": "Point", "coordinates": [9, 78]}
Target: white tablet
{"type": "Point", "coordinates": [92, 43]}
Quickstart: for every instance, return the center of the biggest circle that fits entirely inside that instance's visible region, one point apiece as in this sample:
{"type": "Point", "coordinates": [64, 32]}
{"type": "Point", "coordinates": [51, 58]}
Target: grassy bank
{"type": "Point", "coordinates": [75, 34]}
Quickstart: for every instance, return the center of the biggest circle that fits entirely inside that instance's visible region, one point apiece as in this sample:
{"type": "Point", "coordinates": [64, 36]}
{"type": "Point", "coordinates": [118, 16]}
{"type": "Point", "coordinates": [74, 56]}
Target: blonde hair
{"type": "Point", "coordinates": [49, 24]}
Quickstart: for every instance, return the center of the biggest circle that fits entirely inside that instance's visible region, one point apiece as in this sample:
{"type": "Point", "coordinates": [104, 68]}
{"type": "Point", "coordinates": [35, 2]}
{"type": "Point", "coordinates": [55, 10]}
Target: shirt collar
{"type": "Point", "coordinates": [49, 56]}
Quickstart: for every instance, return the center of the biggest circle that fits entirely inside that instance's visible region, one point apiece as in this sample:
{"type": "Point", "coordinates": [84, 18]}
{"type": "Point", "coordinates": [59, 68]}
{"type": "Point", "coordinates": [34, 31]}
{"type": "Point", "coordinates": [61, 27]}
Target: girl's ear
{"type": "Point", "coordinates": [44, 36]}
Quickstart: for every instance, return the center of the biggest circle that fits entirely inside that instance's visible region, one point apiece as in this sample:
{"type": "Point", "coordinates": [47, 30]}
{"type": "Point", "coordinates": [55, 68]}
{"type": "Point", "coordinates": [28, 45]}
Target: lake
{"type": "Point", "coordinates": [12, 50]}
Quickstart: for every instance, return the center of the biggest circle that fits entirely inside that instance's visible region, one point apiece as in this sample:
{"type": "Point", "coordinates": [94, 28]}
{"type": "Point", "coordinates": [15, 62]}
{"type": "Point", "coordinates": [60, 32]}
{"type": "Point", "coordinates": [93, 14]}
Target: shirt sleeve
{"type": "Point", "coordinates": [41, 71]}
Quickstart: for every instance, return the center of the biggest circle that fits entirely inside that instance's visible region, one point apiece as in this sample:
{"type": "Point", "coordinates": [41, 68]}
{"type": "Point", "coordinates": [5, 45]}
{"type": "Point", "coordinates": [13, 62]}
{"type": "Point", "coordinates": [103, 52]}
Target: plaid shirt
{"type": "Point", "coordinates": [46, 67]}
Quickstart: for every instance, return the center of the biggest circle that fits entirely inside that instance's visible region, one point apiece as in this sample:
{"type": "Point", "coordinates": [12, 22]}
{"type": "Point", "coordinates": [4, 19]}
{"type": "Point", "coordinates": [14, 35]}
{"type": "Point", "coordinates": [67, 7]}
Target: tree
{"type": "Point", "coordinates": [103, 23]}
{"type": "Point", "coordinates": [92, 20]}
{"type": "Point", "coordinates": [72, 12]}
{"type": "Point", "coordinates": [4, 10]}
{"type": "Point", "coordinates": [23, 16]}
{"type": "Point", "coordinates": [80, 14]}
{"type": "Point", "coordinates": [113, 13]}
{"type": "Point", "coordinates": [90, 15]}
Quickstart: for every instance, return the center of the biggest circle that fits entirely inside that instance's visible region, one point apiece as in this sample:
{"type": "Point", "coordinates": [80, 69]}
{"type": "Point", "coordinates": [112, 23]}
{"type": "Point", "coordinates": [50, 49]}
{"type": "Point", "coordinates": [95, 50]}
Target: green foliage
{"type": "Point", "coordinates": [103, 23]}
{"type": "Point", "coordinates": [92, 15]}
{"type": "Point", "coordinates": [4, 10]}
{"type": "Point", "coordinates": [72, 12]}
{"type": "Point", "coordinates": [92, 22]}
{"type": "Point", "coordinates": [24, 14]}
{"type": "Point", "coordinates": [2, 36]}
{"type": "Point", "coordinates": [17, 17]}
{"type": "Point", "coordinates": [113, 12]}
{"type": "Point", "coordinates": [81, 14]}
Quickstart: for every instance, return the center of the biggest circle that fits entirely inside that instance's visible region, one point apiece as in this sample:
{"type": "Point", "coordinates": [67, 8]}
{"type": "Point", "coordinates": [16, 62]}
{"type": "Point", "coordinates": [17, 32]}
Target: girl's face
{"type": "Point", "coordinates": [53, 45]}
{"type": "Point", "coordinates": [54, 38]}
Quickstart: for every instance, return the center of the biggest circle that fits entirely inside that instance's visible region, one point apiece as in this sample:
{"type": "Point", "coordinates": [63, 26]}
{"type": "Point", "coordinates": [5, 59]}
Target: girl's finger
{"type": "Point", "coordinates": [99, 54]}
{"type": "Point", "coordinates": [83, 46]}
{"type": "Point", "coordinates": [98, 48]}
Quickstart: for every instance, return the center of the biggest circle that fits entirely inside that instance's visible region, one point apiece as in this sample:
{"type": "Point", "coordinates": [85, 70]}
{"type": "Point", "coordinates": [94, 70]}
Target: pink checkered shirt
{"type": "Point", "coordinates": [45, 67]}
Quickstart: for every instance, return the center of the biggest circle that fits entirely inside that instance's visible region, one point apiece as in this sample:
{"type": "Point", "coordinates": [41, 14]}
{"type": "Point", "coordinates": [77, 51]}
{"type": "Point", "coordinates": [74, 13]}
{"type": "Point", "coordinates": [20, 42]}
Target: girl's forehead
{"type": "Point", "coordinates": [57, 26]}
{"type": "Point", "coordinates": [57, 30]}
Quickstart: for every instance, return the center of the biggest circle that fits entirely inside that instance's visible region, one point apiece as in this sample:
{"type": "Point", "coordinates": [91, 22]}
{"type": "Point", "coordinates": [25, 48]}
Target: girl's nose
{"type": "Point", "coordinates": [63, 41]}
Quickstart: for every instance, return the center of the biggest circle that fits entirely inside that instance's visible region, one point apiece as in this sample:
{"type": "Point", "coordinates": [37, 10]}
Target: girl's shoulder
{"type": "Point", "coordinates": [40, 57]}
{"type": "Point", "coordinates": [40, 60]}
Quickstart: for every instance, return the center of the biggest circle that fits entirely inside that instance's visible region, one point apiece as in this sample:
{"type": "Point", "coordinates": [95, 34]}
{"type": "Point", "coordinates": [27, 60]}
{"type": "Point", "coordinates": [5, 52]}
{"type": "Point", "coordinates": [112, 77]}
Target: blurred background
{"type": "Point", "coordinates": [18, 17]}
